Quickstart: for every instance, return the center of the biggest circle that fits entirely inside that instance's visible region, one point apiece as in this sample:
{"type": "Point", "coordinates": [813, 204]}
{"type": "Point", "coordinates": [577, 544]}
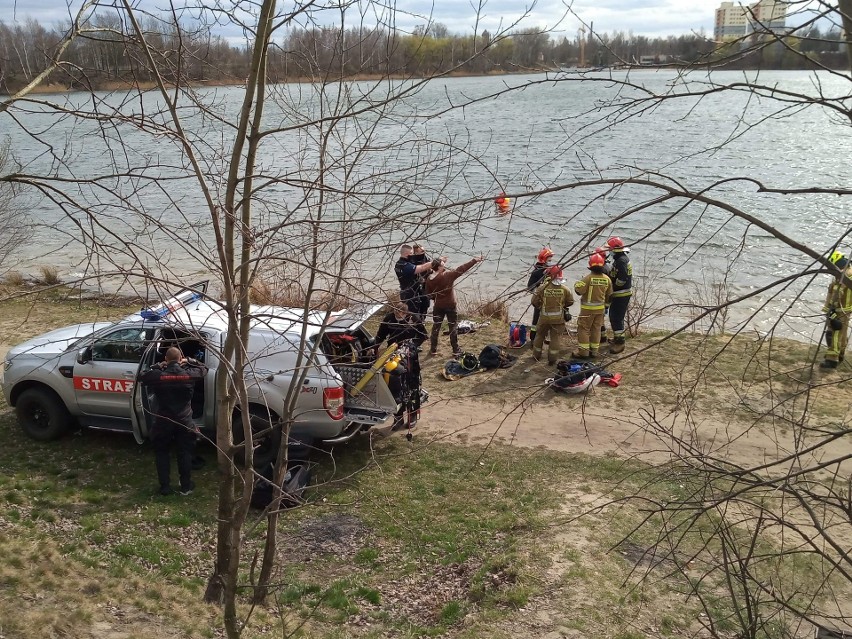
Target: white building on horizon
{"type": "Point", "coordinates": [735, 20]}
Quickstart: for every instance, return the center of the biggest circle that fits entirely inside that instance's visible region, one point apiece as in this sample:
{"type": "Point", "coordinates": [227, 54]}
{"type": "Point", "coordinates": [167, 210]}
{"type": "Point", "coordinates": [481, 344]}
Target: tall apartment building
{"type": "Point", "coordinates": [735, 20]}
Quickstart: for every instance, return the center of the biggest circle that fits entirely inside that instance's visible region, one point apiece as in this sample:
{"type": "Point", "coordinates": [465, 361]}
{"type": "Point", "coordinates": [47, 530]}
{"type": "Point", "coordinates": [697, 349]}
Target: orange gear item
{"type": "Point", "coordinates": [596, 260]}
{"type": "Point", "coordinates": [554, 272]}
{"type": "Point", "coordinates": [503, 203]}
{"type": "Point", "coordinates": [544, 255]}
{"type": "Point", "coordinates": [615, 243]}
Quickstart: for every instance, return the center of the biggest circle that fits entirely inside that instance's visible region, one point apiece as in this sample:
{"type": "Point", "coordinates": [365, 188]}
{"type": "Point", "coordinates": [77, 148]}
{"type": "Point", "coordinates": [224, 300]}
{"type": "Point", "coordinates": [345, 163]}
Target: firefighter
{"type": "Point", "coordinates": [554, 302]}
{"type": "Point", "coordinates": [621, 274]}
{"type": "Point", "coordinates": [595, 291]}
{"type": "Point", "coordinates": [603, 251]}
{"type": "Point", "coordinates": [837, 308]}
{"type": "Point", "coordinates": [536, 277]}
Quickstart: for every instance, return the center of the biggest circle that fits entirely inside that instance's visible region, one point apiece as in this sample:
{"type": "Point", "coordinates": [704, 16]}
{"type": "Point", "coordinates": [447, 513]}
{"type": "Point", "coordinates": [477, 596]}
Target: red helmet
{"type": "Point", "coordinates": [615, 243]}
{"type": "Point", "coordinates": [601, 250]}
{"type": "Point", "coordinates": [544, 254]}
{"type": "Point", "coordinates": [554, 272]}
{"type": "Point", "coordinates": [596, 259]}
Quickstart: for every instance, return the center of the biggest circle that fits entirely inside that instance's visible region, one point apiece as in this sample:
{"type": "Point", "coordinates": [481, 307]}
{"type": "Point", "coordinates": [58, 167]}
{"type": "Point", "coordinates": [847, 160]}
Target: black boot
{"type": "Point", "coordinates": [617, 345]}
{"type": "Point", "coordinates": [829, 363]}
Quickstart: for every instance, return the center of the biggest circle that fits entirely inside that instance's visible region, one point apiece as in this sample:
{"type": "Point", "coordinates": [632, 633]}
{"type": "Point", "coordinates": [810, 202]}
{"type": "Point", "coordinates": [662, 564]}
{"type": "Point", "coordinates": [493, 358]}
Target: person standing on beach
{"type": "Point", "coordinates": [400, 327]}
{"type": "Point", "coordinates": [595, 291]}
{"type": "Point", "coordinates": [421, 301]}
{"type": "Point", "coordinates": [410, 270]}
{"type": "Point", "coordinates": [173, 384]}
{"type": "Point", "coordinates": [621, 274]}
{"type": "Point", "coordinates": [536, 277]}
{"type": "Point", "coordinates": [440, 288]}
{"type": "Point", "coordinates": [554, 301]}
{"type": "Point", "coordinates": [837, 309]}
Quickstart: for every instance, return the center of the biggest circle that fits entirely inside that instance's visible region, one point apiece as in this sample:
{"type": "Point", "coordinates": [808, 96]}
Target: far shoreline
{"type": "Point", "coordinates": [120, 85]}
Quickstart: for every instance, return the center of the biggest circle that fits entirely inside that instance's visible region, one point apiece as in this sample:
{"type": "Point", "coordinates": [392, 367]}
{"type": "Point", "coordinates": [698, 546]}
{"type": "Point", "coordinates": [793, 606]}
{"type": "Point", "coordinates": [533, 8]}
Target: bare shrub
{"type": "Point", "coordinates": [48, 275]}
{"type": "Point", "coordinates": [480, 304]}
{"type": "Point", "coordinates": [711, 293]}
{"type": "Point", "coordinates": [14, 279]}
{"type": "Point", "coordinates": [272, 292]}
{"type": "Point", "coordinates": [277, 289]}
{"type": "Point", "coordinates": [646, 303]}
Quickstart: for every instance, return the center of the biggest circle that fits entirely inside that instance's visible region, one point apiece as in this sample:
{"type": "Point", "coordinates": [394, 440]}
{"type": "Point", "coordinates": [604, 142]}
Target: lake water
{"type": "Point", "coordinates": [412, 172]}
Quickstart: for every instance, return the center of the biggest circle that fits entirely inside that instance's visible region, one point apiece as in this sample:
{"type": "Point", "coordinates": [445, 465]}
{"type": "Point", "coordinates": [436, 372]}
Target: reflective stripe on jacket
{"type": "Point", "coordinates": [622, 275]}
{"type": "Point", "coordinates": [595, 291]}
{"type": "Point", "coordinates": [553, 300]}
{"type": "Point", "coordinates": [840, 293]}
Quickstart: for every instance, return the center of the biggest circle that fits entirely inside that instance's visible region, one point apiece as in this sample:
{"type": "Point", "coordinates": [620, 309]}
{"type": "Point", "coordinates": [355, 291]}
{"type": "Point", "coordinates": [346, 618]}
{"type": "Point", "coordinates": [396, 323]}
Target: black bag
{"type": "Point", "coordinates": [495, 356]}
{"type": "Point", "coordinates": [296, 481]}
{"type": "Point", "coordinates": [570, 372]}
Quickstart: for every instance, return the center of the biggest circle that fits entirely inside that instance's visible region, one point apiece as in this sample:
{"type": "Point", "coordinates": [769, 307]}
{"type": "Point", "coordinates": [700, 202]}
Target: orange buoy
{"type": "Point", "coordinates": [503, 204]}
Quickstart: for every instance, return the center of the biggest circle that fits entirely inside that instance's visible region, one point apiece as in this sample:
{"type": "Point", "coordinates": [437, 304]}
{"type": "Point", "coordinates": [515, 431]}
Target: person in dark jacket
{"type": "Point", "coordinates": [440, 288]}
{"type": "Point", "coordinates": [400, 327]}
{"type": "Point", "coordinates": [536, 278]}
{"type": "Point", "coordinates": [418, 258]}
{"type": "Point", "coordinates": [621, 274]}
{"type": "Point", "coordinates": [411, 268]}
{"type": "Point", "coordinates": [173, 384]}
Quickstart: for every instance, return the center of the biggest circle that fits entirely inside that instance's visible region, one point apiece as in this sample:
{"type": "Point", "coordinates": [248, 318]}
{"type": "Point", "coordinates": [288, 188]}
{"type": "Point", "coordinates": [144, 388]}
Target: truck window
{"type": "Point", "coordinates": [124, 345]}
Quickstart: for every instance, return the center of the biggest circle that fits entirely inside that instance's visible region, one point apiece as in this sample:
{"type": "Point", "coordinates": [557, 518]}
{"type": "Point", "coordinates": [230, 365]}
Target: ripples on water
{"type": "Point", "coordinates": [531, 140]}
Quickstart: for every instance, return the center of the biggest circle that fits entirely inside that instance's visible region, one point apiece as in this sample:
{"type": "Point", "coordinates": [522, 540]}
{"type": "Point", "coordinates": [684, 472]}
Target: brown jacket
{"type": "Point", "coordinates": [595, 291]}
{"type": "Point", "coordinates": [553, 300]}
{"type": "Point", "coordinates": [440, 286]}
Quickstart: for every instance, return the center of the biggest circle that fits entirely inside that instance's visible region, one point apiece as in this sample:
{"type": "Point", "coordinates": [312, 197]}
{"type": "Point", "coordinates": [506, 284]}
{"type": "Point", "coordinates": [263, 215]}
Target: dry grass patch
{"type": "Point", "coordinates": [48, 275]}
{"type": "Point", "coordinates": [45, 591]}
{"type": "Point", "coordinates": [24, 318]}
{"type": "Point", "coordinates": [14, 279]}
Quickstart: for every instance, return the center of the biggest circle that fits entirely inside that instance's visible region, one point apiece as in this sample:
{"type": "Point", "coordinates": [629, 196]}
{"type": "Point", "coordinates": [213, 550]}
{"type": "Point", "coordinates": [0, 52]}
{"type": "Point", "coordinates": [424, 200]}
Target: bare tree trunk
{"type": "Point", "coordinates": [233, 508]}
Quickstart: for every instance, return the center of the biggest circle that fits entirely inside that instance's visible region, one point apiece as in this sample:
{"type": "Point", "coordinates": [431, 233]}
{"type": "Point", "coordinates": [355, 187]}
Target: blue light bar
{"type": "Point", "coordinates": [170, 305]}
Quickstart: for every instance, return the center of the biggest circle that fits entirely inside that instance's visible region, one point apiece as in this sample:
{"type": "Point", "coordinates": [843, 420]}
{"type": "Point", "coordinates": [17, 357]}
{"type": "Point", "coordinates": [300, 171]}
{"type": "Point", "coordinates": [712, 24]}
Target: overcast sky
{"type": "Point", "coordinates": [643, 17]}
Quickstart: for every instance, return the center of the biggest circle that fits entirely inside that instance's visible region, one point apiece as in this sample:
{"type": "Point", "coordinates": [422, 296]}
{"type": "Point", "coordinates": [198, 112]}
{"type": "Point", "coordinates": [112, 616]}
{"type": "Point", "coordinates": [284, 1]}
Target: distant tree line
{"type": "Point", "coordinates": [107, 55]}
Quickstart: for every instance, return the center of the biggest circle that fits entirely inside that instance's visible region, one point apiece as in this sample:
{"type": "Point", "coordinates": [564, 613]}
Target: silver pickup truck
{"type": "Point", "coordinates": [86, 373]}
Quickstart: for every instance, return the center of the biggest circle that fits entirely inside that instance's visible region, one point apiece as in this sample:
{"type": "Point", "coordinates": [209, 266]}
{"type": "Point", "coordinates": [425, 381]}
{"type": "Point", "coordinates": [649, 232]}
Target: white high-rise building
{"type": "Point", "coordinates": [767, 15]}
{"type": "Point", "coordinates": [731, 21]}
{"type": "Point", "coordinates": [736, 20]}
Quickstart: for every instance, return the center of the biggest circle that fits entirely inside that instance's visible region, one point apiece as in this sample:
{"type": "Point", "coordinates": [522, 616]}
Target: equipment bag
{"type": "Point", "coordinates": [567, 385]}
{"type": "Point", "coordinates": [295, 483]}
{"type": "Point", "coordinates": [517, 335]}
{"type": "Point", "coordinates": [570, 372]}
{"type": "Point", "coordinates": [495, 356]}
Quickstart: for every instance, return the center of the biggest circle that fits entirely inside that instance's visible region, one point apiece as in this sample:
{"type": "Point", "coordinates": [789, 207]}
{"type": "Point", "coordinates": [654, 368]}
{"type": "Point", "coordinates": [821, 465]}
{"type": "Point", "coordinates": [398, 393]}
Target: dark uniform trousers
{"type": "Point", "coordinates": [165, 431]}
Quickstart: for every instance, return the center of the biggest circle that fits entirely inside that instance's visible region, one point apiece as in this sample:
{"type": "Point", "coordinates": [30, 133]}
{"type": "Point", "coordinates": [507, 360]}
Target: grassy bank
{"type": "Point", "coordinates": [399, 539]}
{"type": "Point", "coordinates": [396, 541]}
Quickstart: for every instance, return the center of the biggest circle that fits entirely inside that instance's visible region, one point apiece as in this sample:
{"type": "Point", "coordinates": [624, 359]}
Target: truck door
{"type": "Point", "coordinates": [143, 402]}
{"type": "Point", "coordinates": [141, 413]}
{"type": "Point", "coordinates": [105, 373]}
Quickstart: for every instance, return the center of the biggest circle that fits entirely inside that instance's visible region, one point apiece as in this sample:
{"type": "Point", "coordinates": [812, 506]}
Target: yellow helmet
{"type": "Point", "coordinates": [838, 259]}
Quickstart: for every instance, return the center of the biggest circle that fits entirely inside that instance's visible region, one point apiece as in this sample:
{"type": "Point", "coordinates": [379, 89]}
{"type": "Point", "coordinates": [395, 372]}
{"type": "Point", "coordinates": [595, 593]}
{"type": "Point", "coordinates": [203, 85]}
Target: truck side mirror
{"type": "Point", "coordinates": [84, 355]}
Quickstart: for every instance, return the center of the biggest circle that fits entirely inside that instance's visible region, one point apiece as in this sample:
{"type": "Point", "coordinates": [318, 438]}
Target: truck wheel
{"type": "Point", "coordinates": [265, 445]}
{"type": "Point", "coordinates": [42, 415]}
